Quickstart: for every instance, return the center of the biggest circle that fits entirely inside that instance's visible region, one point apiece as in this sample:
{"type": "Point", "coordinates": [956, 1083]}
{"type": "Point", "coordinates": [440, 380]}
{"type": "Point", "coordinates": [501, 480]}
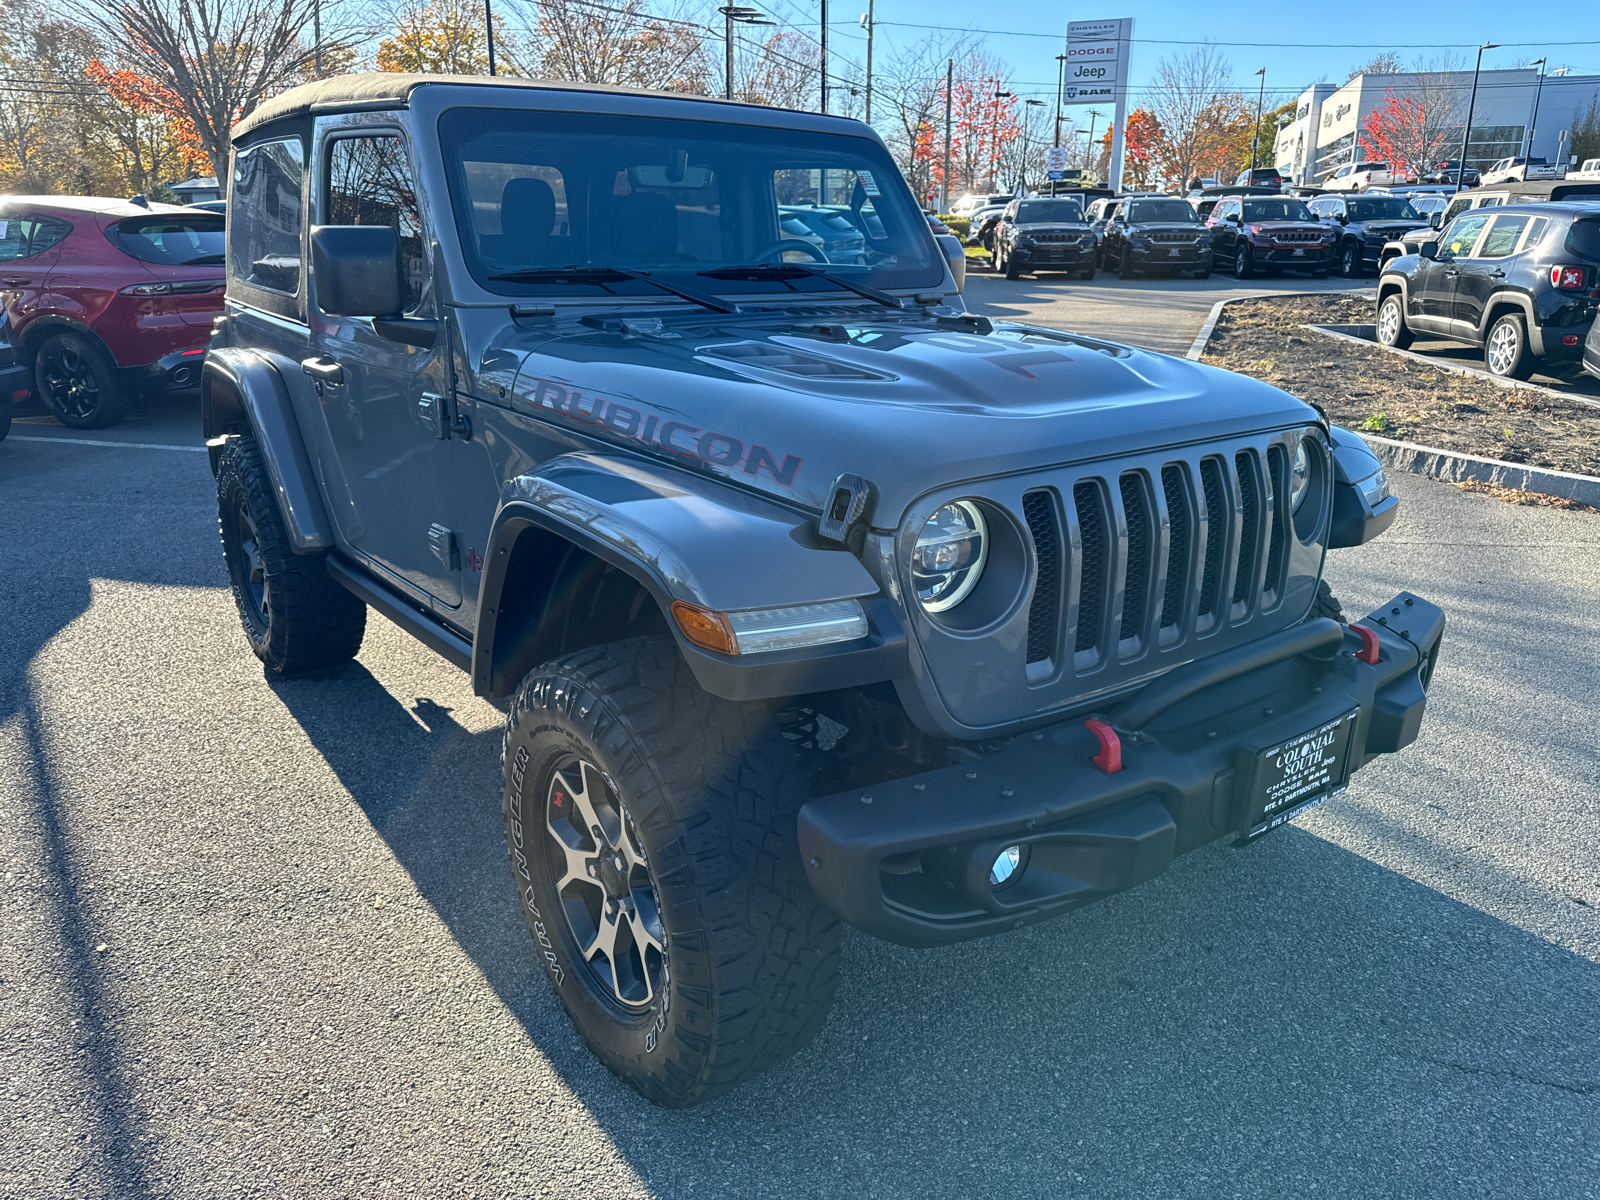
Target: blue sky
{"type": "Point", "coordinates": [1412, 31]}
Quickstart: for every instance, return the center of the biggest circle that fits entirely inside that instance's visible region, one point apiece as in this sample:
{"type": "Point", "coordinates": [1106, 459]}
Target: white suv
{"type": "Point", "coordinates": [1520, 170]}
{"type": "Point", "coordinates": [1359, 176]}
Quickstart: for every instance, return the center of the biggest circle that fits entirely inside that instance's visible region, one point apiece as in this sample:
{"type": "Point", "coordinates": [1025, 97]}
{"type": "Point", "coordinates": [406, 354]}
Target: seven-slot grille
{"type": "Point", "coordinates": [1297, 235]}
{"type": "Point", "coordinates": [1071, 239]}
{"type": "Point", "coordinates": [1163, 554]}
{"type": "Point", "coordinates": [1185, 239]}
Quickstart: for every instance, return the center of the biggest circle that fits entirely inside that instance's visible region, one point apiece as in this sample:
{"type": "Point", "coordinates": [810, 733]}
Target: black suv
{"type": "Point", "coordinates": [1044, 235]}
{"type": "Point", "coordinates": [1365, 224]}
{"type": "Point", "coordinates": [1522, 281]}
{"type": "Point", "coordinates": [1158, 233]}
{"type": "Point", "coordinates": [1268, 234]}
{"type": "Point", "coordinates": [1263, 177]}
{"type": "Point", "coordinates": [1446, 172]}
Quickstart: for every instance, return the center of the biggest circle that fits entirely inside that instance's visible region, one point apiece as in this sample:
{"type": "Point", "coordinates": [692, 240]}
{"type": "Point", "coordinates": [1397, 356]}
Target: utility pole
{"type": "Point", "coordinates": [868, 24]}
{"type": "Point", "coordinates": [994, 135]}
{"type": "Point", "coordinates": [824, 55]}
{"type": "Point", "coordinates": [1533, 121]}
{"type": "Point", "coordinates": [1061, 76]}
{"type": "Point", "coordinates": [949, 89]}
{"type": "Point", "coordinates": [316, 32]}
{"type": "Point", "coordinates": [1472, 102]}
{"type": "Point", "coordinates": [1090, 154]}
{"type": "Point", "coordinates": [1255, 140]}
{"type": "Point", "coordinates": [488, 28]}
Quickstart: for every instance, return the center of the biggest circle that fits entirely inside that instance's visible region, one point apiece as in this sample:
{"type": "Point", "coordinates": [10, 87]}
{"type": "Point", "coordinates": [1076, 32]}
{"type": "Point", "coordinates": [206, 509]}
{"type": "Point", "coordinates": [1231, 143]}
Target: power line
{"type": "Point", "coordinates": [1250, 45]}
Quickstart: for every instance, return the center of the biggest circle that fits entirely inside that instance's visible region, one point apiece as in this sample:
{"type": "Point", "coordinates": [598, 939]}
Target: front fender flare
{"type": "Point", "coordinates": [1355, 521]}
{"type": "Point", "coordinates": [241, 385]}
{"type": "Point", "coordinates": [687, 537]}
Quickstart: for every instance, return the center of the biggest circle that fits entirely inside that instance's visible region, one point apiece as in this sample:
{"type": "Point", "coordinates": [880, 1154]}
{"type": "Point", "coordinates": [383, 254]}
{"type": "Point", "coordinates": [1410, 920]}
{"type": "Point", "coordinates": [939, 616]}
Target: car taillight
{"type": "Point", "coordinates": [147, 289]}
{"type": "Point", "coordinates": [1566, 277]}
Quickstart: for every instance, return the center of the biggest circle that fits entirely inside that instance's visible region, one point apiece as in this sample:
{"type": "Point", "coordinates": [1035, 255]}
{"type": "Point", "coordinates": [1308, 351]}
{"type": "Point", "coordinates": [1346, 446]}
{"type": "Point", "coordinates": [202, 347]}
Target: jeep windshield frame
{"type": "Point", "coordinates": [686, 202]}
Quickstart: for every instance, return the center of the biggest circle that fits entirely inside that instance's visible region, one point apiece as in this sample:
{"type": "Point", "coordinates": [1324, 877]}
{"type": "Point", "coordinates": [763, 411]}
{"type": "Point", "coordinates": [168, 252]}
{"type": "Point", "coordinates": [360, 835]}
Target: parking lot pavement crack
{"type": "Point", "coordinates": [1575, 1089]}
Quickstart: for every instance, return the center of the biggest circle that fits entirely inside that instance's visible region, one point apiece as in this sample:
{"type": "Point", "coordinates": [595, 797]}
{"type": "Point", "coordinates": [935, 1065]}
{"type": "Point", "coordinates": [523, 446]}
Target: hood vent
{"type": "Point", "coordinates": [767, 357]}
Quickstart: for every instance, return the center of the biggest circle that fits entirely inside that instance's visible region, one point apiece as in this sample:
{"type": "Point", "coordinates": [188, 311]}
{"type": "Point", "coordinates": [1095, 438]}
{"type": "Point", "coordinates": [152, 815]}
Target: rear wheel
{"type": "Point", "coordinates": [1506, 352]}
{"type": "Point", "coordinates": [1392, 329]}
{"type": "Point", "coordinates": [77, 380]}
{"type": "Point", "coordinates": [296, 618]}
{"type": "Point", "coordinates": [652, 834]}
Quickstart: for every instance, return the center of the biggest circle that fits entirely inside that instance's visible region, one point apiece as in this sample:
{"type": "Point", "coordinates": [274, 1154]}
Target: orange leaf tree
{"type": "Point", "coordinates": [151, 127]}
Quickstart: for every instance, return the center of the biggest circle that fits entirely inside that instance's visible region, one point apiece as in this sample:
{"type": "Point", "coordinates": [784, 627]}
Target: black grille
{"type": "Point", "coordinates": [1092, 577]}
{"type": "Point", "coordinates": [1297, 236]}
{"type": "Point", "coordinates": [1216, 533]}
{"type": "Point", "coordinates": [1178, 545]}
{"type": "Point", "coordinates": [1040, 514]}
{"type": "Point", "coordinates": [1278, 531]}
{"type": "Point", "coordinates": [1250, 501]}
{"type": "Point", "coordinates": [1137, 512]}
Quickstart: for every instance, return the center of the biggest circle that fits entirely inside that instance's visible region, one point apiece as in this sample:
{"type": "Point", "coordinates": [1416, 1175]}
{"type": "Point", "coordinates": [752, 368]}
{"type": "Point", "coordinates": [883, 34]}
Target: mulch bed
{"type": "Point", "coordinates": [1373, 391]}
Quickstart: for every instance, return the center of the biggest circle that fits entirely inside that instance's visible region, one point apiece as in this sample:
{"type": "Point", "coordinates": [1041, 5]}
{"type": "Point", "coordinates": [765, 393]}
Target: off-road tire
{"type": "Point", "coordinates": [1326, 604]}
{"type": "Point", "coordinates": [1392, 329]}
{"type": "Point", "coordinates": [77, 380]}
{"type": "Point", "coordinates": [710, 791]}
{"type": "Point", "coordinates": [1505, 350]}
{"type": "Point", "coordinates": [295, 617]}
{"type": "Point", "coordinates": [1242, 267]}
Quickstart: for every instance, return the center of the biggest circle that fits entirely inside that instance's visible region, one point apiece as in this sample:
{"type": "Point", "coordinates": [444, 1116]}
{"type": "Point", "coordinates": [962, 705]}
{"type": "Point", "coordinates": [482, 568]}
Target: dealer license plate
{"type": "Point", "coordinates": [1299, 252]}
{"type": "Point", "coordinates": [1295, 776]}
{"type": "Point", "coordinates": [1173, 253]}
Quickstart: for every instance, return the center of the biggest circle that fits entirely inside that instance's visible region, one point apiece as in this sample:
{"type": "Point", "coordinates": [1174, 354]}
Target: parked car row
{"type": "Point", "coordinates": [105, 299]}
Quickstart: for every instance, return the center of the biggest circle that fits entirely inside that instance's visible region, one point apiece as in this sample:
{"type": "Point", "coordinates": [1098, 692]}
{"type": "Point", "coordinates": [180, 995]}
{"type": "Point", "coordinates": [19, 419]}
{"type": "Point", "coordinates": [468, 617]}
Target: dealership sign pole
{"type": "Point", "coordinates": [1097, 72]}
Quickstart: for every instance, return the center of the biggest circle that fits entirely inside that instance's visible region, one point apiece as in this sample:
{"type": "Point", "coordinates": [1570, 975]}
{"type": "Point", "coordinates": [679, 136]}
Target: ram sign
{"type": "Point", "coordinates": [1096, 72]}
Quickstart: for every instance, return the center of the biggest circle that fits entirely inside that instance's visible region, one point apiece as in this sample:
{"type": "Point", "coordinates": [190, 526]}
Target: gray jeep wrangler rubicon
{"type": "Point", "coordinates": [815, 599]}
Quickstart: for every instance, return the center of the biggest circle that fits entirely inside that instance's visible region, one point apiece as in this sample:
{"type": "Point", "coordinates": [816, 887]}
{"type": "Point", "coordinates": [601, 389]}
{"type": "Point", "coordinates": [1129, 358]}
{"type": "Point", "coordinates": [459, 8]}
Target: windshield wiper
{"type": "Point", "coordinates": [795, 270]}
{"type": "Point", "coordinates": [613, 274]}
{"type": "Point", "coordinates": [205, 260]}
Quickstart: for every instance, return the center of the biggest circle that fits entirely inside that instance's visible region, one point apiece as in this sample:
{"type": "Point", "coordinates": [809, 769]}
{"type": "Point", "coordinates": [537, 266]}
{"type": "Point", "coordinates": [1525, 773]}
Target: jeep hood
{"type": "Point", "coordinates": [784, 406]}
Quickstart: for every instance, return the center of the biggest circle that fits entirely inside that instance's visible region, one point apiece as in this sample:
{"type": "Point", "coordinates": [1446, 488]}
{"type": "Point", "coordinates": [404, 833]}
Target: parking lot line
{"type": "Point", "coordinates": [24, 437]}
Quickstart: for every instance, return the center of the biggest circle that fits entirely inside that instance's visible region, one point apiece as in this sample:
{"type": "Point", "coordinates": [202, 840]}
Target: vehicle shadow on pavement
{"type": "Point", "coordinates": [1252, 1018]}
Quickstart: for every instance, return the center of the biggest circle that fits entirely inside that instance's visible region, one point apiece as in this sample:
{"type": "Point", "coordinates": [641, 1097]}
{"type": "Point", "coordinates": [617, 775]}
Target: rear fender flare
{"type": "Point", "coordinates": [1496, 307]}
{"type": "Point", "coordinates": [686, 537]}
{"type": "Point", "coordinates": [243, 391]}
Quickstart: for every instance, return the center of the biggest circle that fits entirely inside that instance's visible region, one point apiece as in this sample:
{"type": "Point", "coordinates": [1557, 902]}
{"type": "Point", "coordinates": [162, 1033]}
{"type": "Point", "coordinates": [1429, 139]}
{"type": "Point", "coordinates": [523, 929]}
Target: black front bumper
{"type": "Point", "coordinates": [1064, 256]}
{"type": "Point", "coordinates": [908, 860]}
{"type": "Point", "coordinates": [1160, 254]}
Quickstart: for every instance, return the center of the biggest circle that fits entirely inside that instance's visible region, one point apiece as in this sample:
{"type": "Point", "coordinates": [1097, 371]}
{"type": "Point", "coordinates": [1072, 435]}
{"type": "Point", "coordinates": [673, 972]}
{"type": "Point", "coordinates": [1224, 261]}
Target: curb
{"type": "Point", "coordinates": [1338, 332]}
{"type": "Point", "coordinates": [1450, 467]}
{"type": "Point", "coordinates": [1198, 347]}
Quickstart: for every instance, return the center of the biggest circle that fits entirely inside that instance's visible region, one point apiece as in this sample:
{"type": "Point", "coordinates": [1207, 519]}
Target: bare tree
{"type": "Point", "coordinates": [1386, 62]}
{"type": "Point", "coordinates": [618, 43]}
{"type": "Point", "coordinates": [221, 58]}
{"type": "Point", "coordinates": [908, 91]}
{"type": "Point", "coordinates": [1184, 100]}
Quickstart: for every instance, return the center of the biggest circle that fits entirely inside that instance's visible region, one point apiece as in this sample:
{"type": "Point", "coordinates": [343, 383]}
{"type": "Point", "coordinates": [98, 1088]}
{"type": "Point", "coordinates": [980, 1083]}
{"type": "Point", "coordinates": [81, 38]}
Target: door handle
{"type": "Point", "coordinates": [323, 370]}
{"type": "Point", "coordinates": [1497, 273]}
{"type": "Point", "coordinates": [16, 282]}
{"type": "Point", "coordinates": [1451, 274]}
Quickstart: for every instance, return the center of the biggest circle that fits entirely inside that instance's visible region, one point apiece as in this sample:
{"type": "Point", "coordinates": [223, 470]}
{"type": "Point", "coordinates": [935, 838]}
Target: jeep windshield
{"type": "Point", "coordinates": [1277, 210]}
{"type": "Point", "coordinates": [1039, 212]}
{"type": "Point", "coordinates": [1382, 208]}
{"type": "Point", "coordinates": [1145, 211]}
{"type": "Point", "coordinates": [543, 199]}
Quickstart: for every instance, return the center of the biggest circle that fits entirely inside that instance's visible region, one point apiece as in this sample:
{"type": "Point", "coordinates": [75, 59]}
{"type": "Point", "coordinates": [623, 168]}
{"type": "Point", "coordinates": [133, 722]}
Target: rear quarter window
{"type": "Point", "coordinates": [1583, 239]}
{"type": "Point", "coordinates": [172, 240]}
{"type": "Point", "coordinates": [264, 235]}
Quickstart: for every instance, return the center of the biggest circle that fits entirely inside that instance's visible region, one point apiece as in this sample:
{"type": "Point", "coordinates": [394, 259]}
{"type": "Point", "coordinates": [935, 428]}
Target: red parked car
{"type": "Point", "coordinates": [108, 299]}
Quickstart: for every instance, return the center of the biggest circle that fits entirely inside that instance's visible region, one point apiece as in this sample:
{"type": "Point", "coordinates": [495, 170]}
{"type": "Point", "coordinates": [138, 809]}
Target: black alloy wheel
{"type": "Point", "coordinates": [77, 381]}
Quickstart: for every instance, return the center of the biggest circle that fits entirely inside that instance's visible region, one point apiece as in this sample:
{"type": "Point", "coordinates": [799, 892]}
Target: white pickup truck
{"type": "Point", "coordinates": [1589, 170]}
{"type": "Point", "coordinates": [1521, 170]}
{"type": "Point", "coordinates": [1359, 176]}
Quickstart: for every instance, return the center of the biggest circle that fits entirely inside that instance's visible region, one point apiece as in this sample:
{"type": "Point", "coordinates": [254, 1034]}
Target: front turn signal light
{"type": "Point", "coordinates": [704, 627]}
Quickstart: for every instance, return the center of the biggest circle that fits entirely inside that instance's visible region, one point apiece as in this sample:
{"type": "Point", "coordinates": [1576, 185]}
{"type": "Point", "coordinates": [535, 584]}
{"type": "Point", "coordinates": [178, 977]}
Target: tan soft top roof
{"type": "Point", "coordinates": [391, 89]}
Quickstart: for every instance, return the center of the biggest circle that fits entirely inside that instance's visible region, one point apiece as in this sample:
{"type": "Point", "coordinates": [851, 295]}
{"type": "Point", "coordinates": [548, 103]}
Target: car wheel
{"type": "Point", "coordinates": [1087, 272]}
{"type": "Point", "coordinates": [1392, 328]}
{"type": "Point", "coordinates": [1012, 270]}
{"type": "Point", "coordinates": [77, 380]}
{"type": "Point", "coordinates": [296, 618]}
{"type": "Point", "coordinates": [1242, 268]}
{"type": "Point", "coordinates": [1125, 264]}
{"type": "Point", "coordinates": [1350, 261]}
{"type": "Point", "coordinates": [1506, 352]}
{"type": "Point", "coordinates": [652, 835]}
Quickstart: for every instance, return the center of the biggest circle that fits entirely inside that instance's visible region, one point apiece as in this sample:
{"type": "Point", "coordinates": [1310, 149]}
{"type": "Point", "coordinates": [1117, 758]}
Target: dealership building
{"type": "Point", "coordinates": [1330, 120]}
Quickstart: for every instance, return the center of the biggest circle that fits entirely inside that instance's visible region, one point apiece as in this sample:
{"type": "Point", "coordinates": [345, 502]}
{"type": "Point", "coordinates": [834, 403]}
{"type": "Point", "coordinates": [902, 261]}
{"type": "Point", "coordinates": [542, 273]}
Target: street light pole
{"type": "Point", "coordinates": [488, 29]}
{"type": "Point", "coordinates": [1533, 122]}
{"type": "Point", "coordinates": [824, 55]}
{"type": "Point", "coordinates": [994, 136]}
{"type": "Point", "coordinates": [1089, 153]}
{"type": "Point", "coordinates": [1472, 102]}
{"type": "Point", "coordinates": [735, 13]}
{"type": "Point", "coordinates": [1261, 94]}
{"type": "Point", "coordinates": [949, 88]}
{"type": "Point", "coordinates": [1061, 79]}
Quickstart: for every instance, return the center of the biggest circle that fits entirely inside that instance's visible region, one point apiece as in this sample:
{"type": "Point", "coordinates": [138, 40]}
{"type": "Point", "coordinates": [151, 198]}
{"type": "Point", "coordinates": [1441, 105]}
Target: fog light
{"type": "Point", "coordinates": [1006, 866]}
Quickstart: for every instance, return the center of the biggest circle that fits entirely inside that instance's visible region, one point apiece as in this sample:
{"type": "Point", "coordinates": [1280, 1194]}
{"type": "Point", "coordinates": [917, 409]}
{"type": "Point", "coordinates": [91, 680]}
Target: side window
{"type": "Point", "coordinates": [264, 215]}
{"type": "Point", "coordinates": [1536, 229]}
{"type": "Point", "coordinates": [1459, 239]}
{"type": "Point", "coordinates": [1502, 237]}
{"type": "Point", "coordinates": [1457, 207]}
{"type": "Point", "coordinates": [26, 235]}
{"type": "Point", "coordinates": [370, 183]}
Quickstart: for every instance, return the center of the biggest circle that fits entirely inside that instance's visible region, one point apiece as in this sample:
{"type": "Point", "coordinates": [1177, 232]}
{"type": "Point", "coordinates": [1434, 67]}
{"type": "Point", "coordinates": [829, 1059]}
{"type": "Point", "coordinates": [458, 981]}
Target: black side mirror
{"type": "Point", "coordinates": [1428, 250]}
{"type": "Point", "coordinates": [357, 270]}
{"type": "Point", "coordinates": [1344, 219]}
{"type": "Point", "coordinates": [1436, 220]}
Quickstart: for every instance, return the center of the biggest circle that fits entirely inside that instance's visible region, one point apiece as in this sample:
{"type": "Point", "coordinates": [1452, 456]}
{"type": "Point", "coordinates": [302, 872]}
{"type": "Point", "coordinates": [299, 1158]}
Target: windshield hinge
{"type": "Point", "coordinates": [850, 499]}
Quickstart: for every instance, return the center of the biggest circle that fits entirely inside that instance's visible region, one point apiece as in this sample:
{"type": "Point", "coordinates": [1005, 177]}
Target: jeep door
{"type": "Point", "coordinates": [383, 401]}
{"type": "Point", "coordinates": [1485, 272]}
{"type": "Point", "coordinates": [1431, 296]}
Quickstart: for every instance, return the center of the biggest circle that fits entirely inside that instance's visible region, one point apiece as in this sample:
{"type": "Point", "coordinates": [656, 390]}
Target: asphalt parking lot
{"type": "Point", "coordinates": [262, 940]}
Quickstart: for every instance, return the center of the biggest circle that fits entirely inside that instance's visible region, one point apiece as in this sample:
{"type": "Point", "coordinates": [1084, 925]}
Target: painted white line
{"type": "Point", "coordinates": [26, 437]}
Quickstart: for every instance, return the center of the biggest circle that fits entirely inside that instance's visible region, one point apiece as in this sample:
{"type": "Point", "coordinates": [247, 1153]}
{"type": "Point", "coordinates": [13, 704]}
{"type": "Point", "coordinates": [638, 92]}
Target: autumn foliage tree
{"type": "Point", "coordinates": [1141, 146]}
{"type": "Point", "coordinates": [1414, 131]}
{"type": "Point", "coordinates": [158, 140]}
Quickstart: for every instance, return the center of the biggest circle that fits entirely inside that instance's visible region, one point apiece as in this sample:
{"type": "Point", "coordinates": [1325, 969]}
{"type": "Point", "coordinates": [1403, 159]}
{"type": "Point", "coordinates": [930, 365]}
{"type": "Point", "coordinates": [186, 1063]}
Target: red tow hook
{"type": "Point", "coordinates": [1109, 759]}
{"type": "Point", "coordinates": [1369, 644]}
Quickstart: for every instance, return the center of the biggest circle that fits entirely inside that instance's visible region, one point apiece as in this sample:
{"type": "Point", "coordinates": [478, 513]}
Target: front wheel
{"type": "Point", "coordinates": [296, 618]}
{"type": "Point", "coordinates": [1506, 352]}
{"type": "Point", "coordinates": [1087, 272]}
{"type": "Point", "coordinates": [1392, 329]}
{"type": "Point", "coordinates": [78, 382]}
{"type": "Point", "coordinates": [1125, 264]}
{"type": "Point", "coordinates": [1350, 260]}
{"type": "Point", "coordinates": [1011, 268]}
{"type": "Point", "coordinates": [652, 835]}
{"type": "Point", "coordinates": [1241, 263]}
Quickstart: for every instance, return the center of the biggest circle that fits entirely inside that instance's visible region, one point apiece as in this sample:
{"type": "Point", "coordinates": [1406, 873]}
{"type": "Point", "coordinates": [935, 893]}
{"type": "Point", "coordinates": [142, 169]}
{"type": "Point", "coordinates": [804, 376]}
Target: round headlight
{"type": "Point", "coordinates": [949, 558]}
{"type": "Point", "coordinates": [1299, 476]}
